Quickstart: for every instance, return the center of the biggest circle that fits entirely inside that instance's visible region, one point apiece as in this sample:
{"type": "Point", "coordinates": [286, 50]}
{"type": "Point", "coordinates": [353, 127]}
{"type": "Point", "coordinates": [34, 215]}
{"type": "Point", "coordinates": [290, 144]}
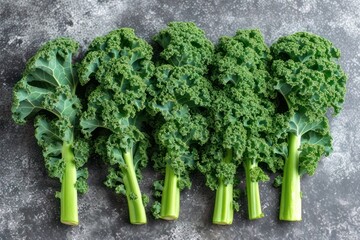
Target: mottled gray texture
{"type": "Point", "coordinates": [28, 209]}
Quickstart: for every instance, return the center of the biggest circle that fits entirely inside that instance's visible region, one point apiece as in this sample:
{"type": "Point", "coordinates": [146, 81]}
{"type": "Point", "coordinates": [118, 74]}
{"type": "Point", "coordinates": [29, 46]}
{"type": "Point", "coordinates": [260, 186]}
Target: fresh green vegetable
{"type": "Point", "coordinates": [179, 94]}
{"type": "Point", "coordinates": [243, 118]}
{"type": "Point", "coordinates": [262, 108]}
{"type": "Point", "coordinates": [311, 81]}
{"type": "Point", "coordinates": [48, 90]}
{"type": "Point", "coordinates": [121, 64]}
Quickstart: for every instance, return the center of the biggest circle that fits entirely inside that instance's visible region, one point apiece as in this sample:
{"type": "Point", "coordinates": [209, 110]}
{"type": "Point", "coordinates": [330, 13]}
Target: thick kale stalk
{"type": "Point", "coordinates": [310, 80]}
{"type": "Point", "coordinates": [224, 201]}
{"type": "Point", "coordinates": [252, 191]}
{"type": "Point", "coordinates": [243, 118]}
{"type": "Point", "coordinates": [290, 207]}
{"type": "Point", "coordinates": [179, 93]}
{"type": "Point", "coordinates": [48, 86]}
{"type": "Point", "coordinates": [120, 62]}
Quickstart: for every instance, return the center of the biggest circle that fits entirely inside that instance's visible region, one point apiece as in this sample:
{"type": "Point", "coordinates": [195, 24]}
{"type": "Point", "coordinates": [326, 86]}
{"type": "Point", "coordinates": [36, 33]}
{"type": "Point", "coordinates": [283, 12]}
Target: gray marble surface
{"type": "Point", "coordinates": [28, 208]}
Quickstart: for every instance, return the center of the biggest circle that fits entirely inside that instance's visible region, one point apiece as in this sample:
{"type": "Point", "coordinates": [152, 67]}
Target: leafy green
{"type": "Point", "coordinates": [311, 82]}
{"type": "Point", "coordinates": [48, 86]}
{"type": "Point", "coordinates": [242, 115]}
{"type": "Point", "coordinates": [184, 44]}
{"type": "Point", "coordinates": [179, 95]}
{"type": "Point", "coordinates": [124, 46]}
{"type": "Point", "coordinates": [120, 63]}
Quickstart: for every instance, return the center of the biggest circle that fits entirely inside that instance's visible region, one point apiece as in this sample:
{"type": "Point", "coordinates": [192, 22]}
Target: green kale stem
{"type": "Point", "coordinates": [224, 210]}
{"type": "Point", "coordinates": [170, 201]}
{"type": "Point", "coordinates": [252, 192]}
{"type": "Point", "coordinates": [133, 194]}
{"type": "Point", "coordinates": [68, 197]}
{"type": "Point", "coordinates": [290, 204]}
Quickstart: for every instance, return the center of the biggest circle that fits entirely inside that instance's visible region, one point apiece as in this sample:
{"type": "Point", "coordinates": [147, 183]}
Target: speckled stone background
{"type": "Point", "coordinates": [28, 208]}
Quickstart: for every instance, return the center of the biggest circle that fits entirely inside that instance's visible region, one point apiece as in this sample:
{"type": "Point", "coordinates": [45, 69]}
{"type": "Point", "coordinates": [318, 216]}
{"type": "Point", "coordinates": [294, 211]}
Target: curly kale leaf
{"type": "Point", "coordinates": [121, 45]}
{"type": "Point", "coordinates": [115, 106]}
{"type": "Point", "coordinates": [177, 94]}
{"type": "Point", "coordinates": [48, 83]}
{"type": "Point", "coordinates": [48, 86]}
{"type": "Point", "coordinates": [304, 46]}
{"type": "Point", "coordinates": [177, 90]}
{"type": "Point", "coordinates": [243, 59]}
{"type": "Point", "coordinates": [120, 113]}
{"type": "Point", "coordinates": [121, 64]}
{"type": "Point", "coordinates": [312, 82]}
{"type": "Point", "coordinates": [183, 44]}
{"type": "Point", "coordinates": [175, 140]}
{"type": "Point", "coordinates": [312, 86]}
{"type": "Point", "coordinates": [243, 111]}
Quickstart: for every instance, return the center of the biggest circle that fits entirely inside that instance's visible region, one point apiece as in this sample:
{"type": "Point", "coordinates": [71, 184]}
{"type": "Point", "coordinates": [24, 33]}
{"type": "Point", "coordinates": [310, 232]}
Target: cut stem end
{"type": "Point", "coordinates": [223, 210]}
{"type": "Point", "coordinates": [170, 201]}
{"type": "Point", "coordinates": [253, 193]}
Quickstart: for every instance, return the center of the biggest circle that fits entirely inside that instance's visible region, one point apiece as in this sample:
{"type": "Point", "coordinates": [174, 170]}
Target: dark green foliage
{"type": "Point", "coordinates": [306, 73]}
{"type": "Point", "coordinates": [122, 45]}
{"type": "Point", "coordinates": [243, 113]}
{"type": "Point", "coordinates": [184, 44]}
{"type": "Point", "coordinates": [48, 85]}
{"type": "Point", "coordinates": [120, 63]}
{"type": "Point", "coordinates": [179, 93]}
